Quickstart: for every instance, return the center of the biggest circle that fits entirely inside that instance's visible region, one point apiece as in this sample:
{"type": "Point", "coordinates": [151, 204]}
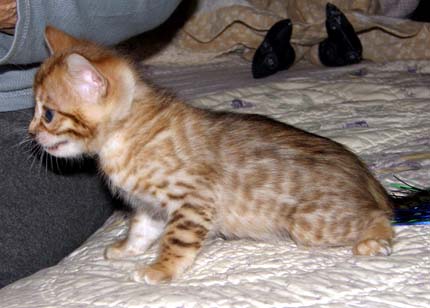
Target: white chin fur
{"type": "Point", "coordinates": [67, 149]}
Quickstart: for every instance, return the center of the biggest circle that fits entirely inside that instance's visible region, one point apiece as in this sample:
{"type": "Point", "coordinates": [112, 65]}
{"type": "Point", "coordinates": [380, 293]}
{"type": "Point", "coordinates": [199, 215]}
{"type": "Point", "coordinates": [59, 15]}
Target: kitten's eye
{"type": "Point", "coordinates": [49, 115]}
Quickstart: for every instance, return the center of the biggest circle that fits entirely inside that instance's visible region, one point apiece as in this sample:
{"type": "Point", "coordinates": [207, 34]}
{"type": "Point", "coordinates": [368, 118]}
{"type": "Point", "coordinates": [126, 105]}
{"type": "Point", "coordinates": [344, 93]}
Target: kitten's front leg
{"type": "Point", "coordinates": [185, 233]}
{"type": "Point", "coordinates": [143, 231]}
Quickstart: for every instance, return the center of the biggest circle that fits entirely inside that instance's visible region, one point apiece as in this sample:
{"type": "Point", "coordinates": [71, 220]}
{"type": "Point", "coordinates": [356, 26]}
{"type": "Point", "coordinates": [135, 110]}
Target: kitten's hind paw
{"type": "Point", "coordinates": [372, 247]}
{"type": "Point", "coordinates": [119, 250]}
{"type": "Point", "coordinates": [153, 274]}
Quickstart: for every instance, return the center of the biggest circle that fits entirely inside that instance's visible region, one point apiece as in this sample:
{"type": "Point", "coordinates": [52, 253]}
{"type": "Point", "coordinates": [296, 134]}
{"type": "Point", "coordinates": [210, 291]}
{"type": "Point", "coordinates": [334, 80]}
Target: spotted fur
{"type": "Point", "coordinates": [191, 173]}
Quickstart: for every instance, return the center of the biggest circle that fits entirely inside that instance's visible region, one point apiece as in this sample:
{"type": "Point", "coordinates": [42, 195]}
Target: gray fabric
{"type": "Point", "coordinates": [43, 216]}
{"type": "Point", "coordinates": [105, 21]}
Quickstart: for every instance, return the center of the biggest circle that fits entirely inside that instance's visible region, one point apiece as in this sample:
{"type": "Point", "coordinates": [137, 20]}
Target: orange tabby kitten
{"type": "Point", "coordinates": [191, 173]}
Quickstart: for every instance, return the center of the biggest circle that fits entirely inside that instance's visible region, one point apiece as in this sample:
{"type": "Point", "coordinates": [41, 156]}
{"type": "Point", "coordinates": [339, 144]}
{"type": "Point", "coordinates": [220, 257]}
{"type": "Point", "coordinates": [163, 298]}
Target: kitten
{"type": "Point", "coordinates": [191, 173]}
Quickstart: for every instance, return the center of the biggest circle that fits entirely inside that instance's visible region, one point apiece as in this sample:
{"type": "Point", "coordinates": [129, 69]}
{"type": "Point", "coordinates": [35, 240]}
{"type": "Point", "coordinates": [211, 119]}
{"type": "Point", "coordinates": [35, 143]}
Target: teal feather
{"type": "Point", "coordinates": [413, 206]}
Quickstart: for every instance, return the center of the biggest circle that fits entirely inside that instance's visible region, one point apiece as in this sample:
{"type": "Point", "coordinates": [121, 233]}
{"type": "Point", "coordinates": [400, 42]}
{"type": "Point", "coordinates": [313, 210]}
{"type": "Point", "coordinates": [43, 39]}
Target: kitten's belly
{"type": "Point", "coordinates": [250, 226]}
{"type": "Point", "coordinates": [257, 221]}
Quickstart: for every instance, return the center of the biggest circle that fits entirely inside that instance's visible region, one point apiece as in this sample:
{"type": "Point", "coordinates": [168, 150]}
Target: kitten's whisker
{"type": "Point", "coordinates": [25, 147]}
{"type": "Point", "coordinates": [45, 164]}
{"type": "Point", "coordinates": [20, 130]}
{"type": "Point", "coordinates": [34, 158]}
{"type": "Point", "coordinates": [31, 151]}
{"type": "Point", "coordinates": [58, 166]}
{"type": "Point", "coordinates": [42, 153]}
{"type": "Point", "coordinates": [23, 142]}
{"type": "Point", "coordinates": [38, 162]}
{"type": "Point", "coordinates": [51, 162]}
{"type": "Point", "coordinates": [28, 151]}
{"type": "Point", "coordinates": [34, 152]}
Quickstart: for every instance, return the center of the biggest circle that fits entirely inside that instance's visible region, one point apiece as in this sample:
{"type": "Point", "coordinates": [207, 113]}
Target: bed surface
{"type": "Point", "coordinates": [379, 111]}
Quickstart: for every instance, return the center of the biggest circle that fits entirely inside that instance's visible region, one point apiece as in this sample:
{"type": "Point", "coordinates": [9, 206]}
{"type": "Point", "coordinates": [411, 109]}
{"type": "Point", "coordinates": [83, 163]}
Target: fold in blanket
{"type": "Point", "coordinates": [240, 26]}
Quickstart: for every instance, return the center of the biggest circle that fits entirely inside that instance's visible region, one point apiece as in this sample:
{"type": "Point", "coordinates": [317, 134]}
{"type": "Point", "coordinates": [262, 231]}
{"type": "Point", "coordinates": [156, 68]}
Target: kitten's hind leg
{"type": "Point", "coordinates": [185, 233]}
{"type": "Point", "coordinates": [376, 238]}
{"type": "Point", "coordinates": [143, 231]}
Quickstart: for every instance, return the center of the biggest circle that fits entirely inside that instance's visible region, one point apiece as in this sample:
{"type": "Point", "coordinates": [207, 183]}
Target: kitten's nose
{"type": "Point", "coordinates": [32, 129]}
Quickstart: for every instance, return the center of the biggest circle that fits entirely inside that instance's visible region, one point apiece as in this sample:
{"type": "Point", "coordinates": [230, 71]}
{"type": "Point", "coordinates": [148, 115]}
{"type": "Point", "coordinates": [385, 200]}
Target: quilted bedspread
{"type": "Point", "coordinates": [381, 112]}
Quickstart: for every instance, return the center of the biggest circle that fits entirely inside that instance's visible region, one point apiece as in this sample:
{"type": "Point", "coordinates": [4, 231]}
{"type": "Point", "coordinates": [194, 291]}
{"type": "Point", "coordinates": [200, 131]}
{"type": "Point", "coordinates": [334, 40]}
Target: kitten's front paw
{"type": "Point", "coordinates": [152, 274]}
{"type": "Point", "coordinates": [119, 250]}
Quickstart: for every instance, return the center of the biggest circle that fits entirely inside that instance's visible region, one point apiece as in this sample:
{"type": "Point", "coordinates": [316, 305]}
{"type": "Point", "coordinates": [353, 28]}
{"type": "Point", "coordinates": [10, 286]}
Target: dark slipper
{"type": "Point", "coordinates": [342, 46]}
{"type": "Point", "coordinates": [275, 53]}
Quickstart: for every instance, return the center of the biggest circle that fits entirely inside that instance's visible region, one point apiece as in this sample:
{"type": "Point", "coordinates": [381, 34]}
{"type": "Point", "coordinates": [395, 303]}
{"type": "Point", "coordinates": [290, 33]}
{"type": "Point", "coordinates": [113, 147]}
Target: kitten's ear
{"type": "Point", "coordinates": [87, 80]}
{"type": "Point", "coordinates": [58, 40]}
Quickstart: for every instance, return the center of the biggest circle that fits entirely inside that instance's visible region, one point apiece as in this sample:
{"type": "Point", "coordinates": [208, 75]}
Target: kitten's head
{"type": "Point", "coordinates": [78, 90]}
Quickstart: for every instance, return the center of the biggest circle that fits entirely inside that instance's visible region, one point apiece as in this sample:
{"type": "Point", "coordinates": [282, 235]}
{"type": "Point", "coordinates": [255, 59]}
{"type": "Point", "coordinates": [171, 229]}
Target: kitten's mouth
{"type": "Point", "coordinates": [55, 146]}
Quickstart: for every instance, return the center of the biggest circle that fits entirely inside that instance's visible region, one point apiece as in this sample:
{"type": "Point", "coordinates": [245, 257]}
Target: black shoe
{"type": "Point", "coordinates": [275, 53]}
{"type": "Point", "coordinates": [342, 46]}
